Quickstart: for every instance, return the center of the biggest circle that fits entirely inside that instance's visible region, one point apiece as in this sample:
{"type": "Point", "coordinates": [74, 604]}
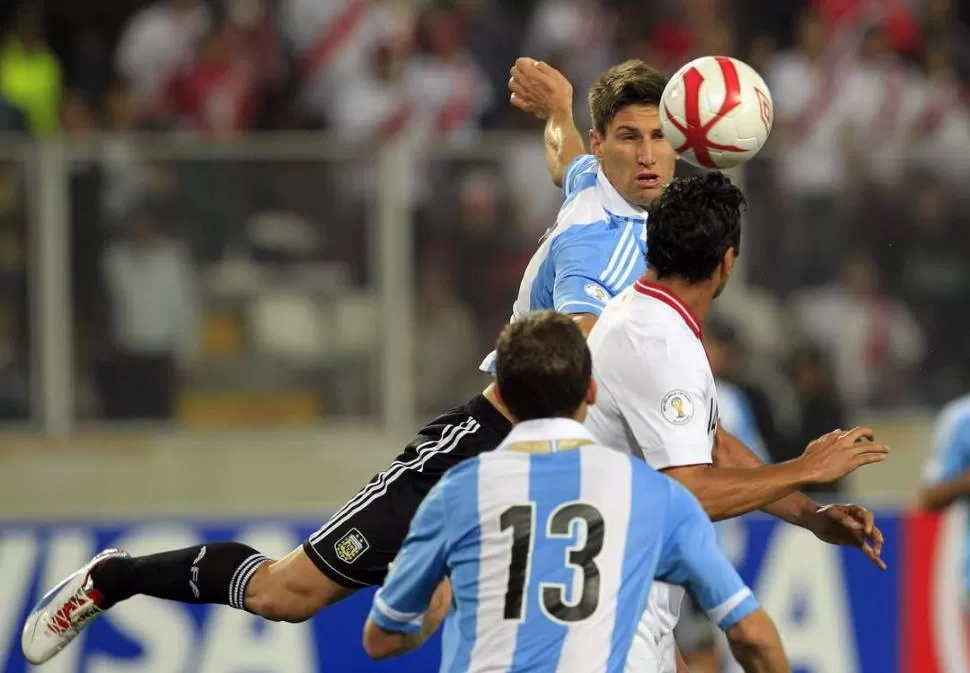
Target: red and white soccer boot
{"type": "Point", "coordinates": [64, 612]}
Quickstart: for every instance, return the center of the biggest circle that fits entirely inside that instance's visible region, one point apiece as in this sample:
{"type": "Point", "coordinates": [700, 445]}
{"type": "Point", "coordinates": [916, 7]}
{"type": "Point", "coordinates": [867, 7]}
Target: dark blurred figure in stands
{"type": "Point", "coordinates": [30, 73]}
{"type": "Point", "coordinates": [819, 405]}
{"type": "Point", "coordinates": [944, 25]}
{"type": "Point", "coordinates": [447, 339]}
{"type": "Point", "coordinates": [12, 118]}
{"type": "Point", "coordinates": [155, 337]}
{"type": "Point", "coordinates": [14, 394]}
{"type": "Point", "coordinates": [745, 410]}
{"type": "Point", "coordinates": [934, 279]}
{"type": "Point", "coordinates": [486, 252]}
{"type": "Point", "coordinates": [874, 341]}
{"type": "Point", "coordinates": [79, 123]}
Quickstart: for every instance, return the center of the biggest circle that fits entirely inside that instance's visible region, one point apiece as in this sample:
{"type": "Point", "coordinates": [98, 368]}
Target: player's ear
{"type": "Point", "coordinates": [730, 257]}
{"type": "Point", "coordinates": [591, 393]}
{"type": "Point", "coordinates": [596, 143]}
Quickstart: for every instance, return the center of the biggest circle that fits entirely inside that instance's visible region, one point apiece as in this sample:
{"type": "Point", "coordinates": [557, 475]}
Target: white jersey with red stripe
{"type": "Point", "coordinates": [657, 400]}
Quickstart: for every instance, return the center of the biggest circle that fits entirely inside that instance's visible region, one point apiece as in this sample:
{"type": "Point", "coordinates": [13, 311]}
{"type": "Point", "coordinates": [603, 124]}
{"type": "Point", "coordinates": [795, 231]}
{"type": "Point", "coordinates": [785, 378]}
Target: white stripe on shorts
{"type": "Point", "coordinates": [450, 438]}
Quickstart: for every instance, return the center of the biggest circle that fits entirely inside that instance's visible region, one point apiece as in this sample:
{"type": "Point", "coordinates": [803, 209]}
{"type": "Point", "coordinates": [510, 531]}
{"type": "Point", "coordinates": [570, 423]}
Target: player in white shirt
{"type": "Point", "coordinates": [539, 89]}
{"type": "Point", "coordinates": [657, 394]}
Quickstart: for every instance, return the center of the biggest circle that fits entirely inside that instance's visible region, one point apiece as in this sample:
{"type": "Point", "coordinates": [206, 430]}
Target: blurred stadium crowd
{"type": "Point", "coordinates": [857, 251]}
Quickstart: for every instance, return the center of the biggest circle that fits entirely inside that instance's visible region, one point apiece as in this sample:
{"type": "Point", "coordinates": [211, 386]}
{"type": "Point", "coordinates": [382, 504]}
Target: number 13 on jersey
{"type": "Point", "coordinates": [558, 602]}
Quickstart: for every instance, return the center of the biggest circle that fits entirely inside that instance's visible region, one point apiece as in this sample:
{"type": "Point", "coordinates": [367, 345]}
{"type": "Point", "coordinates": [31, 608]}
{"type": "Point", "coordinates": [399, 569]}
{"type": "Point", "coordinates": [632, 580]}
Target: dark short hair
{"type": "Point", "coordinates": [543, 366]}
{"type": "Point", "coordinates": [692, 224]}
{"type": "Point", "coordinates": [629, 83]}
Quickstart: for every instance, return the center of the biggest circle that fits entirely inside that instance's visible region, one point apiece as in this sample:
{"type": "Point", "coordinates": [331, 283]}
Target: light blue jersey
{"type": "Point", "coordinates": [596, 249]}
{"type": "Point", "coordinates": [551, 543]}
{"type": "Point", "coordinates": [737, 417]}
{"type": "Point", "coordinates": [951, 457]}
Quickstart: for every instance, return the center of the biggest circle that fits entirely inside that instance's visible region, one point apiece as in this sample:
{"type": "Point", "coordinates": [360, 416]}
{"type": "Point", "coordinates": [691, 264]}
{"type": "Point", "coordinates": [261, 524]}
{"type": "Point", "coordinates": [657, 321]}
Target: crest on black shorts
{"type": "Point", "coordinates": [351, 546]}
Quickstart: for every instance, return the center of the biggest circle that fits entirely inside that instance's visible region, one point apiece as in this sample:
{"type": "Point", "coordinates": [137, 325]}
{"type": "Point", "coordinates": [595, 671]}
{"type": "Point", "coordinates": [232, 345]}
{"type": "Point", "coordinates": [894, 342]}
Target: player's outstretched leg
{"type": "Point", "coordinates": [225, 573]}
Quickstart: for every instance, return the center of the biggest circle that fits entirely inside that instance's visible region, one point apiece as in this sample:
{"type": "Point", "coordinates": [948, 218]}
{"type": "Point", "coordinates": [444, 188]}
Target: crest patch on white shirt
{"type": "Point", "coordinates": [677, 407]}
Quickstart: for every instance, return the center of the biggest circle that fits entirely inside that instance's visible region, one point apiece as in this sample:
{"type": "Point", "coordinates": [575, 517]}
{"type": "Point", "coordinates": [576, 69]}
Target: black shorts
{"type": "Point", "coordinates": [358, 542]}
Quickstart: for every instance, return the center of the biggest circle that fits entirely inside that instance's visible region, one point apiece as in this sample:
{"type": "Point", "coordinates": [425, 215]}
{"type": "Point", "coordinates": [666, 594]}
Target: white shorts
{"type": "Point", "coordinates": [652, 656]}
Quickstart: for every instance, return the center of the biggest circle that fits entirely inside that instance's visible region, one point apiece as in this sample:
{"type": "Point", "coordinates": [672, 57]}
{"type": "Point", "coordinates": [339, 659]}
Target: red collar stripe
{"type": "Point", "coordinates": [671, 300]}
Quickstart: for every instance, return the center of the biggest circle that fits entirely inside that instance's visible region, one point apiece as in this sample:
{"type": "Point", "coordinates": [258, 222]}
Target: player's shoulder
{"type": "Point", "coordinates": [612, 461]}
{"type": "Point", "coordinates": [663, 490]}
{"type": "Point", "coordinates": [583, 213]}
{"type": "Point", "coordinates": [656, 334]}
{"type": "Point", "coordinates": [458, 478]}
{"type": "Point", "coordinates": [954, 420]}
{"type": "Point", "coordinates": [583, 216]}
{"type": "Point", "coordinates": [956, 409]}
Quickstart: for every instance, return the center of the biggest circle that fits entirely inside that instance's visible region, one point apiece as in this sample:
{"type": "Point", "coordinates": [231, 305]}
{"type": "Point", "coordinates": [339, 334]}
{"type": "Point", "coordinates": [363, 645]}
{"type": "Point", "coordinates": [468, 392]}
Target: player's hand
{"type": "Point", "coordinates": [832, 456]}
{"type": "Point", "coordinates": [540, 89]}
{"type": "Point", "coordinates": [853, 526]}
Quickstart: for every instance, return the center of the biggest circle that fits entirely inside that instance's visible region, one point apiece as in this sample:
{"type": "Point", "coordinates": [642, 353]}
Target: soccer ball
{"type": "Point", "coordinates": [717, 112]}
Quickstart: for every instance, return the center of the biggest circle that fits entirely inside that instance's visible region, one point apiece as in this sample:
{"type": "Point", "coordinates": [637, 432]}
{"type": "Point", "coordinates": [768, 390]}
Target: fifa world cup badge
{"type": "Point", "coordinates": [677, 407]}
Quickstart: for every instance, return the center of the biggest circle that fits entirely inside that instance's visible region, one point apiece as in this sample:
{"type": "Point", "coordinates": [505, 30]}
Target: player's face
{"type": "Point", "coordinates": [634, 154]}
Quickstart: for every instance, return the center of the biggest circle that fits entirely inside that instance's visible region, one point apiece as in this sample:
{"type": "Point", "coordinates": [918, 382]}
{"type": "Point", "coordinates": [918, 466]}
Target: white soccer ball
{"type": "Point", "coordinates": [717, 112]}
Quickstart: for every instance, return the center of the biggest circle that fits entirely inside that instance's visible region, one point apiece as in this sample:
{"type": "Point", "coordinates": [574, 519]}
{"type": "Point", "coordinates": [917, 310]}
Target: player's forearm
{"type": "Point", "coordinates": [795, 508]}
{"type": "Point", "coordinates": [726, 492]}
{"type": "Point", "coordinates": [757, 646]}
{"type": "Point", "coordinates": [381, 644]}
{"type": "Point", "coordinates": [942, 495]}
{"type": "Point", "coordinates": [563, 143]}
{"type": "Point", "coordinates": [768, 659]}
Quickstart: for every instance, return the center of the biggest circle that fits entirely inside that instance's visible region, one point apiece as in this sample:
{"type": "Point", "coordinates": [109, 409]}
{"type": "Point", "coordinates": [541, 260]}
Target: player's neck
{"type": "Point", "coordinates": [695, 296]}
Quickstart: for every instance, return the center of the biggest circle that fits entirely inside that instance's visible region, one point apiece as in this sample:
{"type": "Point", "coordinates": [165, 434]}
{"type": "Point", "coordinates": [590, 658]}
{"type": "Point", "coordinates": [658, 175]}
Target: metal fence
{"type": "Point", "coordinates": [298, 280]}
{"type": "Point", "coordinates": [283, 279]}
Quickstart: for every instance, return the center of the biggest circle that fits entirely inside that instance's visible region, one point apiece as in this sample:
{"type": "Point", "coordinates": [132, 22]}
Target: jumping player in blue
{"type": "Point", "coordinates": [545, 540]}
{"type": "Point", "coordinates": [596, 247]}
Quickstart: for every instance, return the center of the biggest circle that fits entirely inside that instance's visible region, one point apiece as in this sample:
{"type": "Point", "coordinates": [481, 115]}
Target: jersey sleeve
{"type": "Point", "coordinates": [400, 604]}
{"type": "Point", "coordinates": [691, 558]}
{"type": "Point", "coordinates": [951, 449]}
{"type": "Point", "coordinates": [577, 262]}
{"type": "Point", "coordinates": [579, 173]}
{"type": "Point", "coordinates": [665, 395]}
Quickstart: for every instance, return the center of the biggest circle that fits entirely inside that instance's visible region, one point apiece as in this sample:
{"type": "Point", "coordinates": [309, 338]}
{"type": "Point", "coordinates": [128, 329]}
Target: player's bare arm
{"type": "Point", "coordinates": [381, 644]}
{"type": "Point", "coordinates": [851, 525]}
{"type": "Point", "coordinates": [757, 646]}
{"type": "Point", "coordinates": [727, 492]}
{"type": "Point", "coordinates": [586, 322]}
{"type": "Point", "coordinates": [941, 495]}
{"type": "Point", "coordinates": [543, 91]}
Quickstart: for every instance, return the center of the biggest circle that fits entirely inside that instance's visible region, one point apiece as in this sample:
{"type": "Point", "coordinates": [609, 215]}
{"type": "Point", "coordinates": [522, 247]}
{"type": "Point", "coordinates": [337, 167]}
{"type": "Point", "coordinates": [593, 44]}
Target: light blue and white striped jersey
{"type": "Point", "coordinates": [551, 543]}
{"type": "Point", "coordinates": [951, 457]}
{"type": "Point", "coordinates": [596, 249]}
